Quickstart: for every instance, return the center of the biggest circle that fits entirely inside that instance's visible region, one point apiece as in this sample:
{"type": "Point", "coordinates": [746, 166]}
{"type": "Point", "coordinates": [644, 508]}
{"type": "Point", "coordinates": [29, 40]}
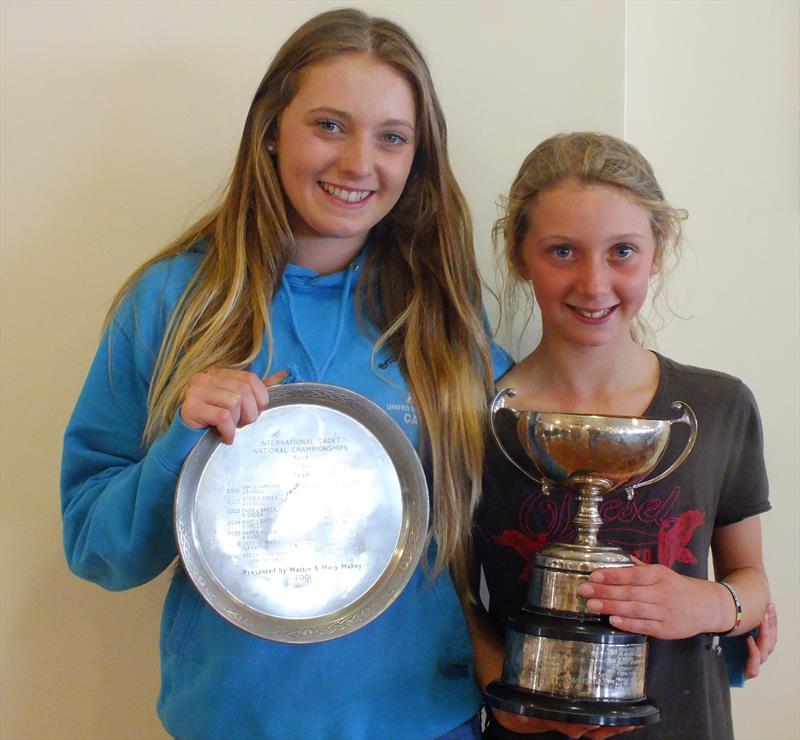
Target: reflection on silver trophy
{"type": "Point", "coordinates": [563, 662]}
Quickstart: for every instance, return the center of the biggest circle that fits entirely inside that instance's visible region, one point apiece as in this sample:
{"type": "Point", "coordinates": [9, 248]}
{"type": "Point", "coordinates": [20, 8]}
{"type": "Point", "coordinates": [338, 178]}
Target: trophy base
{"type": "Point", "coordinates": [518, 701]}
{"type": "Point", "coordinates": [568, 670]}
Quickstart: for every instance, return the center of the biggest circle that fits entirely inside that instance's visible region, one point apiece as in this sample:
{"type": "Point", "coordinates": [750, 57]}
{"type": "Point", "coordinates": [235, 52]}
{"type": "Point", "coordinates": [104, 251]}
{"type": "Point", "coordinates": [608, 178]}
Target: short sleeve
{"type": "Point", "coordinates": [745, 489]}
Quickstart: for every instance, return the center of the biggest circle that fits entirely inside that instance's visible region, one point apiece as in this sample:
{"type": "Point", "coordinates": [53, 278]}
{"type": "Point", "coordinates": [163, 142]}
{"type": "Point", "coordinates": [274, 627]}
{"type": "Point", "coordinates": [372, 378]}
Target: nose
{"type": "Point", "coordinates": [594, 278]}
{"type": "Point", "coordinates": [356, 157]}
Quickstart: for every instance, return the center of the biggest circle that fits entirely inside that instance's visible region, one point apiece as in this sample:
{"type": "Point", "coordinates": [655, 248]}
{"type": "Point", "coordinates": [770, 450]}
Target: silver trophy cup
{"type": "Point", "coordinates": [563, 662]}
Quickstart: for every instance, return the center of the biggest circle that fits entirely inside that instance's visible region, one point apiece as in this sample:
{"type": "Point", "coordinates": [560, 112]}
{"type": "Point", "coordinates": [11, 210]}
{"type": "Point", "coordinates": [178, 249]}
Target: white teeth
{"type": "Point", "coordinates": [348, 196]}
{"type": "Point", "coordinates": [594, 314]}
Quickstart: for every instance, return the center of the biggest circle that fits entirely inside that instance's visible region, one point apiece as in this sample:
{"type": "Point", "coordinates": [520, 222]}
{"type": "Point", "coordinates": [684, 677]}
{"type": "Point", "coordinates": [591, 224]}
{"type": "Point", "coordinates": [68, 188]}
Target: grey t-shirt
{"type": "Point", "coordinates": [723, 481]}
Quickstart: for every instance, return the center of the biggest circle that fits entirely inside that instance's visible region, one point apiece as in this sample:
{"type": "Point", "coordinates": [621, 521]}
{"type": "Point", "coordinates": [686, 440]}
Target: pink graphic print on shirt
{"type": "Point", "coordinates": [643, 527]}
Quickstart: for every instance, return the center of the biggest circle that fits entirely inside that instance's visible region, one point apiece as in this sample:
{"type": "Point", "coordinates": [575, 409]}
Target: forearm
{"type": "Point", "coordinates": [738, 561]}
{"type": "Point", "coordinates": [487, 645]}
{"type": "Point", "coordinates": [752, 590]}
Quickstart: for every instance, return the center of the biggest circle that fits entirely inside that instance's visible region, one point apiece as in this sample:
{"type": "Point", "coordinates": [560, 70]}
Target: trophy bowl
{"type": "Point", "coordinates": [614, 451]}
{"type": "Point", "coordinates": [563, 662]}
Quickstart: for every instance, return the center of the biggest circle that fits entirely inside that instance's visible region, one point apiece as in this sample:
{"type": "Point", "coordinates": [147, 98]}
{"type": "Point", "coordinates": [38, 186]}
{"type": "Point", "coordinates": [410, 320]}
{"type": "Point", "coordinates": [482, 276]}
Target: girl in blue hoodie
{"type": "Point", "coordinates": [341, 252]}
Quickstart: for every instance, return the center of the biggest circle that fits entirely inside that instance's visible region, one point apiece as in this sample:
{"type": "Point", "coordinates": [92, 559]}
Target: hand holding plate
{"type": "Point", "coordinates": [225, 399]}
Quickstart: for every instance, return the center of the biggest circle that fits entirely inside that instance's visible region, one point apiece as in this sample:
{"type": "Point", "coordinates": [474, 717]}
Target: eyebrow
{"type": "Point", "coordinates": [631, 235]}
{"type": "Point", "coordinates": [346, 116]}
{"type": "Point", "coordinates": [615, 237]}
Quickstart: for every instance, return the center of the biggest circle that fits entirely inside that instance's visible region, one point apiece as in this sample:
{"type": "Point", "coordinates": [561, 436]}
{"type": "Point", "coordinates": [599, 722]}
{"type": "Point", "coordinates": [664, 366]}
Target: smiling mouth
{"type": "Point", "coordinates": [596, 314]}
{"type": "Point", "coordinates": [345, 195]}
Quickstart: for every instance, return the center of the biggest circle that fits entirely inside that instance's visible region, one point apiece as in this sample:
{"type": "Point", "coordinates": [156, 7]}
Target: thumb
{"type": "Point", "coordinates": [275, 378]}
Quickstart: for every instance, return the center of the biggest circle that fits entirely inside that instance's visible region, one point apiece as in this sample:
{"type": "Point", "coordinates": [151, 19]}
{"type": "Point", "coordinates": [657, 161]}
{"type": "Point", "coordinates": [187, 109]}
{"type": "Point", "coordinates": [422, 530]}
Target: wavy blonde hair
{"type": "Point", "coordinates": [421, 289]}
{"type": "Point", "coordinates": [591, 158]}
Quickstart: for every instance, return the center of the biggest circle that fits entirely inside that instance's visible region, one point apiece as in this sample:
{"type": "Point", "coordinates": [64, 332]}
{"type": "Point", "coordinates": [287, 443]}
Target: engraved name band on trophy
{"type": "Point", "coordinates": [563, 662]}
{"type": "Point", "coordinates": [311, 523]}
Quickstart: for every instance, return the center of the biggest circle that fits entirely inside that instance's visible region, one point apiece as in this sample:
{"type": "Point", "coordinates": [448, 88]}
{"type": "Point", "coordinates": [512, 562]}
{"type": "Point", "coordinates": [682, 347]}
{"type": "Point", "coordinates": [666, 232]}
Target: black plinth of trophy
{"type": "Point", "coordinates": [607, 712]}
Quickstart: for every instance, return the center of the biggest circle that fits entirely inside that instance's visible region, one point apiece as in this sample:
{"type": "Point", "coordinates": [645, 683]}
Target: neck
{"type": "Point", "coordinates": [325, 255]}
{"type": "Point", "coordinates": [618, 380]}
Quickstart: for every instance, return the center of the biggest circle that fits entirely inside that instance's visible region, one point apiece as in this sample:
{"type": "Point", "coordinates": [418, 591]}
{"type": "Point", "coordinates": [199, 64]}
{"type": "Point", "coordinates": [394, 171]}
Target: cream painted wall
{"type": "Point", "coordinates": [120, 119]}
{"type": "Point", "coordinates": [712, 99]}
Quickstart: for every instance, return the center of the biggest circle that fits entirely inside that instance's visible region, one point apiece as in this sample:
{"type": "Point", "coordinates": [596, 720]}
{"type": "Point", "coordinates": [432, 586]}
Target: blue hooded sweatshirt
{"type": "Point", "coordinates": [406, 674]}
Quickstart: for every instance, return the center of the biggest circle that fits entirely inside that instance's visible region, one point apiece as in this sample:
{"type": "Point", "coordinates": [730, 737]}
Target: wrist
{"type": "Point", "coordinates": [733, 609]}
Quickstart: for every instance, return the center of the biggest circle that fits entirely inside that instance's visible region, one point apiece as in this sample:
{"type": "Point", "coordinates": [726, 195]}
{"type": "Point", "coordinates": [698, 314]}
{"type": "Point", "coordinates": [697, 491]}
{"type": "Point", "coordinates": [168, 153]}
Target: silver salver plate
{"type": "Point", "coordinates": [311, 523]}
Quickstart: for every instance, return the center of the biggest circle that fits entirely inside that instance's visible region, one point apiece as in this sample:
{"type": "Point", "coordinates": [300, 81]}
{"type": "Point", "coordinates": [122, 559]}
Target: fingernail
{"type": "Point", "coordinates": [597, 577]}
{"type": "Point", "coordinates": [594, 604]}
{"type": "Point", "coordinates": [585, 589]}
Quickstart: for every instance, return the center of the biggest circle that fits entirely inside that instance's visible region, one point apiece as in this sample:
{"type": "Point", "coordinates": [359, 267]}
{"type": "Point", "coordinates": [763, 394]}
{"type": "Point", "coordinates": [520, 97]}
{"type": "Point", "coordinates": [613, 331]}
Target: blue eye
{"type": "Point", "coordinates": [329, 126]}
{"type": "Point", "coordinates": [624, 251]}
{"type": "Point", "coordinates": [562, 251]}
{"type": "Point", "coordinates": [394, 138]}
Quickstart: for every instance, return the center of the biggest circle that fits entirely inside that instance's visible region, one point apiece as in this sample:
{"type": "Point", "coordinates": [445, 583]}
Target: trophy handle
{"type": "Point", "coordinates": [688, 418]}
{"type": "Point", "coordinates": [500, 403]}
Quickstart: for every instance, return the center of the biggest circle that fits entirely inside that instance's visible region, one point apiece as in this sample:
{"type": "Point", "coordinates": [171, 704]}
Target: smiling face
{"type": "Point", "coordinates": [344, 149]}
{"type": "Point", "coordinates": [589, 254]}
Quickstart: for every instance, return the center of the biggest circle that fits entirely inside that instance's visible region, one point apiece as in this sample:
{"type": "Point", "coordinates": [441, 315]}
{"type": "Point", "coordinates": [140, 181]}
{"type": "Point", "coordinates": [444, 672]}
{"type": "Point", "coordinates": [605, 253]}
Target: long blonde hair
{"type": "Point", "coordinates": [421, 289]}
{"type": "Point", "coordinates": [591, 158]}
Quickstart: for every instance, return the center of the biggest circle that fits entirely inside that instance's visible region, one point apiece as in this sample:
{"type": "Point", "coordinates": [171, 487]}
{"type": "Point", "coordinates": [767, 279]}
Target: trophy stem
{"type": "Point", "coordinates": [588, 521]}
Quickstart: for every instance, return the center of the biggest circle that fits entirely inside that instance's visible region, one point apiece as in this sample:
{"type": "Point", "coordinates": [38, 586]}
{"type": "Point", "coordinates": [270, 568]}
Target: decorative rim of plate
{"type": "Point", "coordinates": [396, 573]}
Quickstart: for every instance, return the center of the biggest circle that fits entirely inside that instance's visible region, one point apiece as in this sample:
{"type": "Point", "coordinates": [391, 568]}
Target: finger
{"type": "Point", "coordinates": [272, 380]}
{"type": "Point", "coordinates": [201, 379]}
{"type": "Point", "coordinates": [601, 733]}
{"type": "Point", "coordinates": [527, 725]}
{"type": "Point", "coordinates": [214, 417]}
{"type": "Point", "coordinates": [595, 591]}
{"type": "Point", "coordinates": [649, 627]}
{"type": "Point", "coordinates": [619, 730]}
{"type": "Point", "coordinates": [754, 660]}
{"type": "Point", "coordinates": [247, 392]}
{"type": "Point", "coordinates": [201, 401]}
{"type": "Point", "coordinates": [623, 608]}
{"type": "Point", "coordinates": [644, 594]}
{"type": "Point", "coordinates": [764, 642]}
{"type": "Point", "coordinates": [638, 575]}
{"type": "Point", "coordinates": [275, 378]}
{"type": "Point", "coordinates": [211, 407]}
{"type": "Point", "coordinates": [627, 609]}
{"type": "Point", "coordinates": [225, 426]}
{"type": "Point", "coordinates": [568, 729]}
{"type": "Point", "coordinates": [248, 404]}
{"type": "Point", "coordinates": [768, 631]}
